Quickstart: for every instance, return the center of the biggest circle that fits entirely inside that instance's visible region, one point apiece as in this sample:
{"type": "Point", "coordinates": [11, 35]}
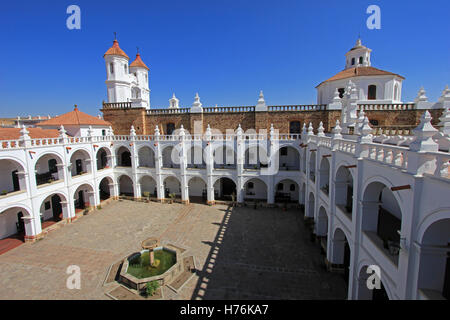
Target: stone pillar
{"type": "Point", "coordinates": [240, 158]}
{"type": "Point", "coordinates": [92, 201]}
{"type": "Point", "coordinates": [68, 210]}
{"type": "Point", "coordinates": [183, 164]}
{"type": "Point", "coordinates": [116, 190]}
{"type": "Point", "coordinates": [158, 164]}
{"type": "Point", "coordinates": [209, 160]}
{"type": "Point", "coordinates": [33, 228]}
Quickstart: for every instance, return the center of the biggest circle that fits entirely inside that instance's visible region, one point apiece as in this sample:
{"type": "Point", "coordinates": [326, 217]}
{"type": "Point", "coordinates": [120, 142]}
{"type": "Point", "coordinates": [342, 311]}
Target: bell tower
{"type": "Point", "coordinates": [358, 56]}
{"type": "Point", "coordinates": [117, 74]}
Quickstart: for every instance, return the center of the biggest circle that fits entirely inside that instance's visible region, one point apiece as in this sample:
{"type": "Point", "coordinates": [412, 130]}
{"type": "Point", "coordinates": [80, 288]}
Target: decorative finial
{"type": "Point", "coordinates": [445, 122]}
{"type": "Point", "coordinates": [115, 36]}
{"type": "Point", "coordinates": [310, 129]}
{"type": "Point", "coordinates": [320, 130]}
{"type": "Point", "coordinates": [75, 107]}
{"type": "Point", "coordinates": [132, 131]}
{"type": "Point", "coordinates": [337, 130]}
{"type": "Point", "coordinates": [424, 133]}
{"type": "Point", "coordinates": [62, 132]}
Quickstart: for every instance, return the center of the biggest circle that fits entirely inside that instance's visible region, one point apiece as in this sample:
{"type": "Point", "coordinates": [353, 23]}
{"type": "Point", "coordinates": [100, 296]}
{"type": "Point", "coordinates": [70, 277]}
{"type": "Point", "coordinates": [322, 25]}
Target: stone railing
{"type": "Point", "coordinates": [228, 109]}
{"type": "Point", "coordinates": [311, 107]}
{"type": "Point", "coordinates": [393, 106]}
{"type": "Point", "coordinates": [116, 105]}
{"type": "Point", "coordinates": [394, 156]}
{"type": "Point", "coordinates": [393, 130]}
{"type": "Point", "coordinates": [9, 144]}
{"type": "Point", "coordinates": [442, 165]}
{"type": "Point", "coordinates": [167, 111]}
{"type": "Point", "coordinates": [345, 145]}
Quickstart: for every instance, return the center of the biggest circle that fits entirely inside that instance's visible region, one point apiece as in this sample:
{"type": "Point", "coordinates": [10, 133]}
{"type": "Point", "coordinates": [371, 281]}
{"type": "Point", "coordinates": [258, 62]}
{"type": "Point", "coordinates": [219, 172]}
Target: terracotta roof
{"type": "Point", "coordinates": [359, 71]}
{"type": "Point", "coordinates": [138, 62]}
{"type": "Point", "coordinates": [34, 133]}
{"type": "Point", "coordinates": [74, 118]}
{"type": "Point", "coordinates": [115, 50]}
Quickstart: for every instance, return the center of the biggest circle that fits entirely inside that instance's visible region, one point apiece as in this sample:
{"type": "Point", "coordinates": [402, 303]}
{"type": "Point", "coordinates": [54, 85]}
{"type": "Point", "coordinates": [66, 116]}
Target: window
{"type": "Point", "coordinates": [111, 68]}
{"type": "Point", "coordinates": [396, 97]}
{"type": "Point", "coordinates": [170, 128]}
{"type": "Point", "coordinates": [283, 151]}
{"type": "Point", "coordinates": [250, 185]}
{"type": "Point", "coordinates": [292, 187]}
{"type": "Point", "coordinates": [361, 60]}
{"type": "Point", "coordinates": [341, 92]}
{"type": "Point", "coordinates": [146, 78]}
{"type": "Point", "coordinates": [353, 61]}
{"type": "Point", "coordinates": [47, 205]}
{"type": "Point", "coordinates": [373, 122]}
{"type": "Point", "coordinates": [125, 68]}
{"type": "Point", "coordinates": [372, 92]}
{"type": "Point", "coordinates": [103, 132]}
{"type": "Point", "coordinates": [294, 127]}
{"type": "Point", "coordinates": [280, 187]}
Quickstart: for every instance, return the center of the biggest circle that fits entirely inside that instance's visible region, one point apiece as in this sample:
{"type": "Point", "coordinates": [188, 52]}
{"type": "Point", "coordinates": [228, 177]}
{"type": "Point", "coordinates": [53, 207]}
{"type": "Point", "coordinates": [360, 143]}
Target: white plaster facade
{"type": "Point", "coordinates": [411, 182]}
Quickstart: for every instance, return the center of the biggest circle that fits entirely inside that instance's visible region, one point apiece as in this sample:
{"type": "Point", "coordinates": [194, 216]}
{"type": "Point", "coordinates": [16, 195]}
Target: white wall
{"type": "Point", "coordinates": [385, 89]}
{"type": "Point", "coordinates": [259, 190]}
{"type": "Point", "coordinates": [173, 184]}
{"type": "Point", "coordinates": [6, 181]}
{"type": "Point", "coordinates": [196, 187]}
{"type": "Point", "coordinates": [8, 221]}
{"type": "Point", "coordinates": [148, 184]}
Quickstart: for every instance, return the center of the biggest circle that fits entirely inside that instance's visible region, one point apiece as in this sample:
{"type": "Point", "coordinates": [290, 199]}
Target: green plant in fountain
{"type": "Point", "coordinates": [139, 265]}
{"type": "Point", "coordinates": [151, 287]}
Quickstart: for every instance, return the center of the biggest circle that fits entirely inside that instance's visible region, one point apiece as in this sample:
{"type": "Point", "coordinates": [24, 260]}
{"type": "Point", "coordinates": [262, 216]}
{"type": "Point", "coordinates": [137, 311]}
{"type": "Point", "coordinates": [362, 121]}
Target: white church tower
{"type": "Point", "coordinates": [126, 83]}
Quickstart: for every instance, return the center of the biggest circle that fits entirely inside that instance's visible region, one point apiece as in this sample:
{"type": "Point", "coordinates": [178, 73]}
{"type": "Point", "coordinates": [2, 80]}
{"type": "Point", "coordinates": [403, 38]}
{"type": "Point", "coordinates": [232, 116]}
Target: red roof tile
{"type": "Point", "coordinates": [359, 71]}
{"type": "Point", "coordinates": [138, 62]}
{"type": "Point", "coordinates": [74, 118]}
{"type": "Point", "coordinates": [115, 50]}
{"type": "Point", "coordinates": [34, 133]}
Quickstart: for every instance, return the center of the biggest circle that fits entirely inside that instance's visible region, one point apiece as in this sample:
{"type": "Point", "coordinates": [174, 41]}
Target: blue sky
{"type": "Point", "coordinates": [226, 50]}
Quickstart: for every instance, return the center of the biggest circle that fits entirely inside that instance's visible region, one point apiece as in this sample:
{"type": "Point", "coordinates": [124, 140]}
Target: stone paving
{"type": "Point", "coordinates": [240, 253]}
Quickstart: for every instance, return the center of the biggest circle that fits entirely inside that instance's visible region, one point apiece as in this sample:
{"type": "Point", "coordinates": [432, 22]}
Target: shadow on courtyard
{"type": "Point", "coordinates": [265, 254]}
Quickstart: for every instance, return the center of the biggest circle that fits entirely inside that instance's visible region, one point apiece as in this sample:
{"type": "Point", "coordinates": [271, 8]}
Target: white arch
{"type": "Point", "coordinates": [189, 178]}
{"type": "Point", "coordinates": [434, 216]}
{"type": "Point", "coordinates": [18, 205]}
{"type": "Point", "coordinates": [216, 178]}
{"type": "Point", "coordinates": [388, 184]}
{"type": "Point", "coordinates": [14, 159]}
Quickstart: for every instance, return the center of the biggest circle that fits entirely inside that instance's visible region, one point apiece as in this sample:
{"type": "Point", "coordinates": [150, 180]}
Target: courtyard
{"type": "Point", "coordinates": [240, 253]}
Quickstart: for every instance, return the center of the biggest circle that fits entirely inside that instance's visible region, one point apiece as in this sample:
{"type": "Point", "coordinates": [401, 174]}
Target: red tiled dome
{"type": "Point", "coordinates": [115, 50]}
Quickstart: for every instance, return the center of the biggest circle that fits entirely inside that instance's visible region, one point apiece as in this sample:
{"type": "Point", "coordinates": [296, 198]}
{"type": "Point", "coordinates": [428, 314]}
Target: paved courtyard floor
{"type": "Point", "coordinates": [240, 253]}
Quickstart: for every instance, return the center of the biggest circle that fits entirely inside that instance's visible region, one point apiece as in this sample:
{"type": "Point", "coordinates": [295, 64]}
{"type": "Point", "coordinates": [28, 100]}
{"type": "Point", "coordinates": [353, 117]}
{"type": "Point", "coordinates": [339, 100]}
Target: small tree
{"type": "Point", "coordinates": [151, 287]}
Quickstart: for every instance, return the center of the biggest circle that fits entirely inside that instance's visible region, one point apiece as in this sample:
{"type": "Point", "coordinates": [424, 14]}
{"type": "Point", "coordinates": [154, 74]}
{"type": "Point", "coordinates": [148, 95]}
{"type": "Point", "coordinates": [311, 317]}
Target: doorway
{"type": "Point", "coordinates": [78, 166]}
{"type": "Point", "coordinates": [56, 207]}
{"type": "Point", "coordinates": [15, 179]}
